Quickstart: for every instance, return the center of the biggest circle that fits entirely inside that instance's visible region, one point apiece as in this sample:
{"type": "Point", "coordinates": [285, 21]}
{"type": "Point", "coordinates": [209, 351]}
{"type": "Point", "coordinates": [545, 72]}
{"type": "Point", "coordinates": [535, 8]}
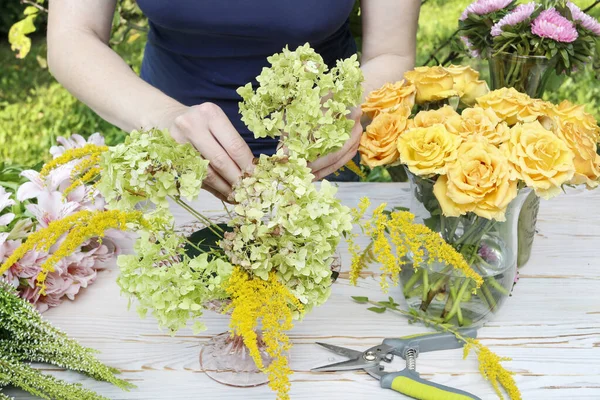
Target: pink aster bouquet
{"type": "Point", "coordinates": [557, 30]}
{"type": "Point", "coordinates": [48, 196]}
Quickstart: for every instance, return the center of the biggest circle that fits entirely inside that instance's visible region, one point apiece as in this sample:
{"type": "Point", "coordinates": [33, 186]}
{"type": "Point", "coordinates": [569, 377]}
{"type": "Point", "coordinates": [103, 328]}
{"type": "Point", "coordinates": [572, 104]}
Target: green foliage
{"type": "Point", "coordinates": [35, 109]}
{"type": "Point", "coordinates": [26, 337]}
{"type": "Point", "coordinates": [10, 12]}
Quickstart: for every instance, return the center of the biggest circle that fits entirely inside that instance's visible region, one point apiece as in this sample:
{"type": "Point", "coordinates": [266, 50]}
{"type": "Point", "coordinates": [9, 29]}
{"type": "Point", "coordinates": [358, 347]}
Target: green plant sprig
{"type": "Point", "coordinates": [489, 363]}
{"type": "Point", "coordinates": [26, 337]}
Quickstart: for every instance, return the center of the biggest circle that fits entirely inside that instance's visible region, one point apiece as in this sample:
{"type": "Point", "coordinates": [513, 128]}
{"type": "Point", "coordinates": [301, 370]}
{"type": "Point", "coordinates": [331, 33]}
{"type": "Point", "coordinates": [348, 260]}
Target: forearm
{"type": "Point", "coordinates": [385, 68]}
{"type": "Point", "coordinates": [97, 76]}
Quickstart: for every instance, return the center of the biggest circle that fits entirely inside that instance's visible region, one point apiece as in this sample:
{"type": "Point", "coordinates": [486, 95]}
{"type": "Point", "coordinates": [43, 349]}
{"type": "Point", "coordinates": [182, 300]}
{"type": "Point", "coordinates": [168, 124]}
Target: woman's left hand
{"type": "Point", "coordinates": [330, 163]}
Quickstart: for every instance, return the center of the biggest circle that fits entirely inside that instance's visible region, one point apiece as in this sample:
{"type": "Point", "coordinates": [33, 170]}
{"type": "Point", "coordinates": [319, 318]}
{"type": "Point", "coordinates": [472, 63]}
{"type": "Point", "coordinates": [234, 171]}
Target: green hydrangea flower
{"type": "Point", "coordinates": [164, 280]}
{"type": "Point", "coordinates": [302, 102]}
{"type": "Point", "coordinates": [150, 165]}
{"type": "Point", "coordinates": [284, 223]}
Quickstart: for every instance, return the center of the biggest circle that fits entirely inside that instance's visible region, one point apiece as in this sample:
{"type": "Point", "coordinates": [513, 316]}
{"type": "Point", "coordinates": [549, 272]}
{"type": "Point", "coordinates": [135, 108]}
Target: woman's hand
{"type": "Point", "coordinates": [332, 162]}
{"type": "Point", "coordinates": [209, 130]}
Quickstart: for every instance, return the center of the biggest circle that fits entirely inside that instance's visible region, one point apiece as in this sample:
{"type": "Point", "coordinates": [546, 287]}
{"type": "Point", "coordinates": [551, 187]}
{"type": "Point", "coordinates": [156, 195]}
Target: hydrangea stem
{"type": "Point", "coordinates": [210, 224]}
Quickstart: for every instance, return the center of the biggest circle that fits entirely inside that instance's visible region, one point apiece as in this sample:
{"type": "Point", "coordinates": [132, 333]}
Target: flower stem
{"type": "Point", "coordinates": [456, 305]}
{"type": "Point", "coordinates": [413, 279]}
{"type": "Point", "coordinates": [425, 284]}
{"type": "Point", "coordinates": [210, 224]}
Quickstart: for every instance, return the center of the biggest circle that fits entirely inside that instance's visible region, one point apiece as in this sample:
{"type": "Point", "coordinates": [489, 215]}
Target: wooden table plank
{"type": "Point", "coordinates": [550, 327]}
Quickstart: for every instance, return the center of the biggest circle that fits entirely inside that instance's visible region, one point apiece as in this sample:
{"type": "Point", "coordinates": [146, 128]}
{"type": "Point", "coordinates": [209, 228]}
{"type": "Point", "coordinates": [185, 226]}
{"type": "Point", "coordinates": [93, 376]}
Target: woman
{"type": "Point", "coordinates": [200, 51]}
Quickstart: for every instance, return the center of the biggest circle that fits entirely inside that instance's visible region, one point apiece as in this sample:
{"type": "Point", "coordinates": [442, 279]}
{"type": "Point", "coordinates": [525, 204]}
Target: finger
{"type": "Point", "coordinates": [218, 158]}
{"type": "Point", "coordinates": [217, 182]}
{"type": "Point", "coordinates": [228, 137]}
{"type": "Point", "coordinates": [320, 174]}
{"type": "Point", "coordinates": [215, 192]}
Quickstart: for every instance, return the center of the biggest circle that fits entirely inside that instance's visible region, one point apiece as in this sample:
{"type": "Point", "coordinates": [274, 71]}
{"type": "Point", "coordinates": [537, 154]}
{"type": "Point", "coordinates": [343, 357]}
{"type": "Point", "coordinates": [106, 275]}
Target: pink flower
{"type": "Point", "coordinates": [519, 14]}
{"type": "Point", "coordinates": [75, 141]}
{"type": "Point", "coordinates": [482, 7]}
{"type": "Point", "coordinates": [474, 52]}
{"type": "Point", "coordinates": [51, 207]}
{"type": "Point", "coordinates": [550, 24]}
{"type": "Point", "coordinates": [587, 21]}
{"type": "Point", "coordinates": [5, 201]}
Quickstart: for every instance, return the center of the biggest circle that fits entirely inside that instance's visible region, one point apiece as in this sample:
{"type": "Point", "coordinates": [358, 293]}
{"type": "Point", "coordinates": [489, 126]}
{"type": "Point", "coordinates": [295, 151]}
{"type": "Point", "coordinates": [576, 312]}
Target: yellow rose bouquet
{"type": "Point", "coordinates": [472, 157]}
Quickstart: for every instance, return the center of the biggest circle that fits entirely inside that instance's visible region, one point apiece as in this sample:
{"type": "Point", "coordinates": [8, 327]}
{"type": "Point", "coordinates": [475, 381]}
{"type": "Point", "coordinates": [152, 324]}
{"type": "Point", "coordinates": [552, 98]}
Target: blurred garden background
{"type": "Point", "coordinates": [35, 109]}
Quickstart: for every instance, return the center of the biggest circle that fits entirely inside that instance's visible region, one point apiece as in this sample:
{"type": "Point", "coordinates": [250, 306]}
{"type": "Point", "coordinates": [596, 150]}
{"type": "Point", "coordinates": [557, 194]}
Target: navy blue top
{"type": "Point", "coordinates": [203, 50]}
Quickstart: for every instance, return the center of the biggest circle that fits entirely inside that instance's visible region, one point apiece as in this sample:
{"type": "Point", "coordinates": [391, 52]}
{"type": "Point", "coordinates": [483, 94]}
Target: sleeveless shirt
{"type": "Point", "coordinates": [203, 50]}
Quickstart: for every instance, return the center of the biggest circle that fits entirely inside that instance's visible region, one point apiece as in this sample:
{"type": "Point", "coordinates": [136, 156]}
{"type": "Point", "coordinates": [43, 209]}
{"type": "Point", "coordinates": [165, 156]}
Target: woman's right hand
{"type": "Point", "coordinates": [209, 130]}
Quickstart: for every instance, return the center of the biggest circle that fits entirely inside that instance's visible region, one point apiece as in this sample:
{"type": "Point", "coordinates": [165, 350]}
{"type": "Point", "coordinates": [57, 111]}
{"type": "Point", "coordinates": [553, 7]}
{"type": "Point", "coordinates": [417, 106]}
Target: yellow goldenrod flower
{"type": "Point", "coordinates": [90, 175]}
{"type": "Point", "coordinates": [89, 150]}
{"type": "Point", "coordinates": [408, 238]}
{"type": "Point", "coordinates": [254, 300]}
{"type": "Point", "coordinates": [492, 370]}
{"type": "Point", "coordinates": [77, 229]}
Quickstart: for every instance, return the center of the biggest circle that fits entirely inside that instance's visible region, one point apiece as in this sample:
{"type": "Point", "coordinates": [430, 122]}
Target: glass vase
{"type": "Point", "coordinates": [489, 247]}
{"type": "Point", "coordinates": [226, 359]}
{"type": "Point", "coordinates": [531, 75]}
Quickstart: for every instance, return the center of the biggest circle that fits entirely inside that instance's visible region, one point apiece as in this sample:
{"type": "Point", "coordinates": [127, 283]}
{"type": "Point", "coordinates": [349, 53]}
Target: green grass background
{"type": "Point", "coordinates": [35, 109]}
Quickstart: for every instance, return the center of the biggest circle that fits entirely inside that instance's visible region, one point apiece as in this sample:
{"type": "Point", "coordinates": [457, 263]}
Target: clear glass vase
{"type": "Point", "coordinates": [226, 359]}
{"type": "Point", "coordinates": [488, 246]}
{"type": "Point", "coordinates": [531, 75]}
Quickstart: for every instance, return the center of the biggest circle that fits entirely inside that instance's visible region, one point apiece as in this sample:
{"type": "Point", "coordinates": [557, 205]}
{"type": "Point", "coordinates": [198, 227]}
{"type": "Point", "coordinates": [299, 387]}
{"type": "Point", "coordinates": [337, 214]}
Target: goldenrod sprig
{"type": "Point", "coordinates": [394, 236]}
{"type": "Point", "coordinates": [254, 300]}
{"type": "Point", "coordinates": [77, 229]}
{"type": "Point", "coordinates": [489, 362]}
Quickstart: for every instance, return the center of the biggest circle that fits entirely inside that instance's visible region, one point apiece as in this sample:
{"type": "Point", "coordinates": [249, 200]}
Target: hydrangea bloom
{"type": "Point", "coordinates": [587, 21]}
{"type": "Point", "coordinates": [550, 24]}
{"type": "Point", "coordinates": [519, 14]}
{"type": "Point", "coordinates": [482, 7]}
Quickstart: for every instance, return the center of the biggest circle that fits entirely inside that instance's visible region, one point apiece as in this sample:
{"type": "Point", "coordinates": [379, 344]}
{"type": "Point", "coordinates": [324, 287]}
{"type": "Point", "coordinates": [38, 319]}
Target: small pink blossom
{"type": "Point", "coordinates": [482, 7]}
{"type": "Point", "coordinates": [474, 52]}
{"type": "Point", "coordinates": [587, 21]}
{"type": "Point", "coordinates": [519, 14]}
{"type": "Point", "coordinates": [550, 24]}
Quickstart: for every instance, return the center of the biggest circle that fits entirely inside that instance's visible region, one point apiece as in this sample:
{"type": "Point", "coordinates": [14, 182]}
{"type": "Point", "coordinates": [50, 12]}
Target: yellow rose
{"type": "Point", "coordinates": [425, 119]}
{"type": "Point", "coordinates": [378, 143]}
{"type": "Point", "coordinates": [480, 121]}
{"type": "Point", "coordinates": [582, 143]}
{"type": "Point", "coordinates": [389, 98]}
{"type": "Point", "coordinates": [467, 83]}
{"type": "Point", "coordinates": [427, 151]}
{"type": "Point", "coordinates": [566, 111]}
{"type": "Point", "coordinates": [513, 106]}
{"type": "Point", "coordinates": [541, 159]}
{"type": "Point", "coordinates": [432, 83]}
{"type": "Point", "coordinates": [479, 181]}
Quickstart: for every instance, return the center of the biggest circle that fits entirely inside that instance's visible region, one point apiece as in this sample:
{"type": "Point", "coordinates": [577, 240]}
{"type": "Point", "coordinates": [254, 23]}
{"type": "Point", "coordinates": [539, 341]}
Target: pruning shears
{"type": "Point", "coordinates": [407, 381]}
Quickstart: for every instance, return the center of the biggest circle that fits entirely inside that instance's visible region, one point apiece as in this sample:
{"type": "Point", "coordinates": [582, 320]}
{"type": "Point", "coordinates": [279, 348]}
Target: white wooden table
{"type": "Point", "coordinates": [550, 327]}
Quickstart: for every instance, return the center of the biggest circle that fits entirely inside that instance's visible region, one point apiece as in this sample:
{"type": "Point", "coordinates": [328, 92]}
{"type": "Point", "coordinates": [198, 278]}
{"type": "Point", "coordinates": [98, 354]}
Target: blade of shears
{"type": "Point", "coordinates": [342, 351]}
{"type": "Point", "coordinates": [356, 359]}
{"type": "Point", "coordinates": [347, 365]}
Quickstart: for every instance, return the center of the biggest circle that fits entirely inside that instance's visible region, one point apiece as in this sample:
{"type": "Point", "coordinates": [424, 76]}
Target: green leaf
{"type": "Point", "coordinates": [17, 35]}
{"type": "Point", "coordinates": [360, 299]}
{"type": "Point", "coordinates": [378, 310]}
